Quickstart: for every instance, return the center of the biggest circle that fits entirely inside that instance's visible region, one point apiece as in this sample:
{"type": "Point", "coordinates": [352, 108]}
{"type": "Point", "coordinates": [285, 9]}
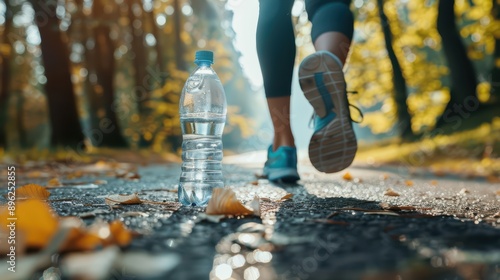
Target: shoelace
{"type": "Point", "coordinates": [361, 116]}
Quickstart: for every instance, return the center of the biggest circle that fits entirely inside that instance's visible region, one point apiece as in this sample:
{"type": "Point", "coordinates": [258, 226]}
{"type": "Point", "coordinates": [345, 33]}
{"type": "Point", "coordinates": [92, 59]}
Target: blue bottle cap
{"type": "Point", "coordinates": [204, 57]}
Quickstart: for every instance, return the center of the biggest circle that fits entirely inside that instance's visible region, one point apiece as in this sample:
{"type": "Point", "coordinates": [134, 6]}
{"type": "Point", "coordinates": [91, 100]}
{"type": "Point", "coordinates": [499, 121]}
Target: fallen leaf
{"type": "Point", "coordinates": [100, 182]}
{"type": "Point", "coordinates": [128, 175]}
{"type": "Point", "coordinates": [135, 214]}
{"type": "Point", "coordinates": [76, 174]}
{"type": "Point", "coordinates": [333, 214]}
{"type": "Point", "coordinates": [223, 201]}
{"type": "Point", "coordinates": [384, 176]}
{"type": "Point", "coordinates": [347, 176]}
{"type": "Point", "coordinates": [119, 234]}
{"type": "Point", "coordinates": [287, 196]}
{"type": "Point", "coordinates": [32, 191]}
{"type": "Point", "coordinates": [391, 192]}
{"type": "Point", "coordinates": [35, 222]}
{"type": "Point", "coordinates": [255, 183]}
{"type": "Point", "coordinates": [93, 213]}
{"type": "Point", "coordinates": [255, 206]}
{"type": "Point", "coordinates": [122, 199]}
{"type": "Point", "coordinates": [387, 213]}
{"type": "Point", "coordinates": [409, 183]}
{"type": "Point", "coordinates": [497, 192]}
{"type": "Point", "coordinates": [54, 182]}
{"type": "Point", "coordinates": [434, 183]}
{"type": "Point", "coordinates": [439, 173]}
{"type": "Point", "coordinates": [331, 222]}
{"type": "Point", "coordinates": [493, 179]}
{"type": "Point", "coordinates": [386, 206]}
{"type": "Point", "coordinates": [463, 191]}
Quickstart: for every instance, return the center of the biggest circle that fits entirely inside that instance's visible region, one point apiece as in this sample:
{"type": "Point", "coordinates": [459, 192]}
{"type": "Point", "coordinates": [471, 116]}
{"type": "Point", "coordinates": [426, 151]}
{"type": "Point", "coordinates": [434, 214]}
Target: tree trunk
{"type": "Point", "coordinates": [179, 47]}
{"type": "Point", "coordinates": [160, 63]}
{"type": "Point", "coordinates": [495, 70]}
{"type": "Point", "coordinates": [64, 120]}
{"type": "Point", "coordinates": [400, 89]}
{"type": "Point", "coordinates": [101, 61]}
{"type": "Point", "coordinates": [141, 76]}
{"type": "Point", "coordinates": [139, 55]}
{"type": "Point", "coordinates": [5, 78]}
{"type": "Point", "coordinates": [463, 100]}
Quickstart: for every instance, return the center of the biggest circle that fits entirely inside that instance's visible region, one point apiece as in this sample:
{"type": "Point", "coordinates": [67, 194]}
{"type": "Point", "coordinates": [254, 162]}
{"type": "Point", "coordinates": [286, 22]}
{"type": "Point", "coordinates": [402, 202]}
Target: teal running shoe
{"type": "Point", "coordinates": [281, 165]}
{"type": "Point", "coordinates": [333, 145]}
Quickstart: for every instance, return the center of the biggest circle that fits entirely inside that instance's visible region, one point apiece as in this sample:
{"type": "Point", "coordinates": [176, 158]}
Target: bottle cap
{"type": "Point", "coordinates": [204, 57]}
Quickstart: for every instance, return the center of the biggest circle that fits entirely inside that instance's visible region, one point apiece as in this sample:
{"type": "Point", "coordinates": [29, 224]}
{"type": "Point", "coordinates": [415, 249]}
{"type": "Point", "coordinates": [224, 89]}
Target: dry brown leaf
{"type": "Point", "coordinates": [119, 234]}
{"type": "Point", "coordinates": [128, 175]}
{"type": "Point", "coordinates": [100, 182]}
{"type": "Point", "coordinates": [54, 182]}
{"type": "Point", "coordinates": [255, 183]}
{"type": "Point", "coordinates": [122, 199]}
{"type": "Point", "coordinates": [434, 183]}
{"type": "Point", "coordinates": [32, 191]}
{"type": "Point", "coordinates": [76, 174]}
{"type": "Point", "coordinates": [347, 176]}
{"type": "Point", "coordinates": [387, 213]}
{"type": "Point", "coordinates": [224, 202]}
{"type": "Point", "coordinates": [255, 206]}
{"type": "Point", "coordinates": [35, 222]}
{"type": "Point", "coordinates": [464, 191]}
{"type": "Point", "coordinates": [493, 179]}
{"type": "Point", "coordinates": [409, 183]}
{"type": "Point", "coordinates": [287, 196]}
{"type": "Point", "coordinates": [497, 192]}
{"type": "Point", "coordinates": [391, 192]}
{"type": "Point", "coordinates": [387, 206]}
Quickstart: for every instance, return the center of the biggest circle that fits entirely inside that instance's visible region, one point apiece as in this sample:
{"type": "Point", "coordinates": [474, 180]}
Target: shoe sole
{"type": "Point", "coordinates": [333, 147]}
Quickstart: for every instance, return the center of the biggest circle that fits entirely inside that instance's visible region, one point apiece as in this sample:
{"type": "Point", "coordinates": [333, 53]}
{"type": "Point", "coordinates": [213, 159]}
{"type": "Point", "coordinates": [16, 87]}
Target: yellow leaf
{"type": "Point", "coordinates": [35, 223]}
{"type": "Point", "coordinates": [32, 191]}
{"type": "Point", "coordinates": [224, 202]}
{"type": "Point", "coordinates": [54, 182]}
{"type": "Point", "coordinates": [391, 192]}
{"type": "Point", "coordinates": [287, 196]}
{"type": "Point", "coordinates": [119, 233]}
{"type": "Point", "coordinates": [122, 199]}
{"type": "Point", "coordinates": [347, 176]}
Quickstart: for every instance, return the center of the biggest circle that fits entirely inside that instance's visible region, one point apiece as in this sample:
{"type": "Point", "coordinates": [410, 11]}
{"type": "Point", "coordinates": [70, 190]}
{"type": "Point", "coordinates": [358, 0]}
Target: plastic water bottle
{"type": "Point", "coordinates": [202, 110]}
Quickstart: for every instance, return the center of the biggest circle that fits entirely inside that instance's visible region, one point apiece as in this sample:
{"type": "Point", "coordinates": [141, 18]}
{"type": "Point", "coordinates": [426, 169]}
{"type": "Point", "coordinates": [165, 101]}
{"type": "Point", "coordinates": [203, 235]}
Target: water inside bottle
{"type": "Point", "coordinates": [201, 157]}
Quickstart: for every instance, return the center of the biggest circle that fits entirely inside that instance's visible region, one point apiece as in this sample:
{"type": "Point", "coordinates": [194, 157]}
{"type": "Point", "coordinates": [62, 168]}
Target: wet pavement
{"type": "Point", "coordinates": [334, 227]}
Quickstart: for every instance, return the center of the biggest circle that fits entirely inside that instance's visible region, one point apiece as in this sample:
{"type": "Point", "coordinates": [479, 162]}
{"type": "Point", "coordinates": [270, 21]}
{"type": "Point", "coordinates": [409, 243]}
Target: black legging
{"type": "Point", "coordinates": [276, 40]}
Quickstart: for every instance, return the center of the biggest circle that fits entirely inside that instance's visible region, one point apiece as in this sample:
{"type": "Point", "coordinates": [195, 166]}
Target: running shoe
{"type": "Point", "coordinates": [333, 145]}
{"type": "Point", "coordinates": [281, 165]}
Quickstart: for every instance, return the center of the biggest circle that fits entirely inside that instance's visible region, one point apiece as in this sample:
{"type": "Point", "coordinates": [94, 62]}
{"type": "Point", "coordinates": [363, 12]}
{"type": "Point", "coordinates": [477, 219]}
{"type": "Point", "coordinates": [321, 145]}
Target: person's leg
{"type": "Point", "coordinates": [332, 26]}
{"type": "Point", "coordinates": [333, 144]}
{"type": "Point", "coordinates": [276, 52]}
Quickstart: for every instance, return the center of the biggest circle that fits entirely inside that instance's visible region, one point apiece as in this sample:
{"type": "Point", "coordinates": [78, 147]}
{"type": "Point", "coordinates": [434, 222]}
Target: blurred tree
{"type": "Point", "coordinates": [462, 73]}
{"type": "Point", "coordinates": [101, 63]}
{"type": "Point", "coordinates": [141, 77]}
{"type": "Point", "coordinates": [495, 71]}
{"type": "Point", "coordinates": [5, 58]}
{"type": "Point", "coordinates": [179, 46]}
{"type": "Point", "coordinates": [400, 89]}
{"type": "Point", "coordinates": [64, 120]}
